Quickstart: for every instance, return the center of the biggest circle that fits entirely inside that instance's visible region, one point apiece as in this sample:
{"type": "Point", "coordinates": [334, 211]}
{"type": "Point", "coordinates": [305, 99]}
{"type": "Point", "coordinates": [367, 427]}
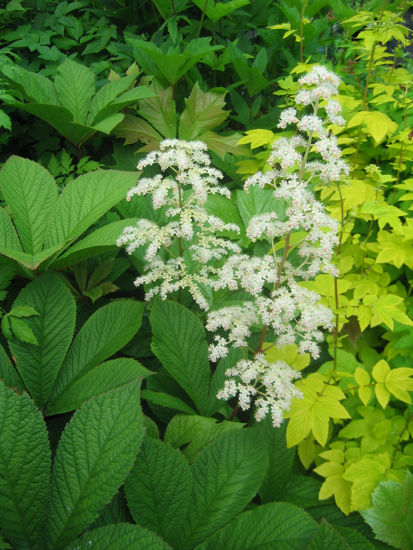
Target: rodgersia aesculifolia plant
{"type": "Point", "coordinates": [189, 252]}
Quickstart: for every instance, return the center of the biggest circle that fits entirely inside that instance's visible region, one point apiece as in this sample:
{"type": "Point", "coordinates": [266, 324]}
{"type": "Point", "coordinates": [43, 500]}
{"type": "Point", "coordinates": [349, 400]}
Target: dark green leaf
{"type": "Point", "coordinates": [24, 469]}
{"type": "Point", "coordinates": [95, 453]}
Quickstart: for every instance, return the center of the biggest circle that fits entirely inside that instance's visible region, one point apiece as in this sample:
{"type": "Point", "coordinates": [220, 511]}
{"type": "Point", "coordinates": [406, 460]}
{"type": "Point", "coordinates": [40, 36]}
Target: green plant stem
{"type": "Point", "coordinates": [302, 31]}
{"type": "Point", "coordinates": [202, 19]}
{"type": "Point", "coordinates": [400, 155]}
{"type": "Point", "coordinates": [336, 294]}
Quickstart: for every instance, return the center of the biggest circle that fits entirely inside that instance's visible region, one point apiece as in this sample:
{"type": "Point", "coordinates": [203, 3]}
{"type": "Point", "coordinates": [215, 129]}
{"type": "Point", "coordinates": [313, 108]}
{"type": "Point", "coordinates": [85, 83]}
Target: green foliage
{"type": "Point", "coordinates": [25, 470]}
{"type": "Point", "coordinates": [179, 343]}
{"type": "Point", "coordinates": [71, 103]}
{"type": "Point", "coordinates": [104, 436]}
{"type": "Point", "coordinates": [158, 489]}
{"type": "Point", "coordinates": [390, 517]}
{"type": "Point", "coordinates": [76, 339]}
{"type": "Point", "coordinates": [44, 230]}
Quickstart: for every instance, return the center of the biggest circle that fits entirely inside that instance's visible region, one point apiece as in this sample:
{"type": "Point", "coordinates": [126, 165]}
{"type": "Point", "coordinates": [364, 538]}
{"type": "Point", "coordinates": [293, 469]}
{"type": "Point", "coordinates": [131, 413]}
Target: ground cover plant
{"type": "Point", "coordinates": [205, 274]}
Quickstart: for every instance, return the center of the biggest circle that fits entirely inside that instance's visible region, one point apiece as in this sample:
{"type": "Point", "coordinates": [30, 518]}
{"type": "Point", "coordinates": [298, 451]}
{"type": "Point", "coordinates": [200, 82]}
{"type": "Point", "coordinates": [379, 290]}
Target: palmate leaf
{"type": "Point", "coordinates": [95, 453]}
{"type": "Point", "coordinates": [104, 333]}
{"type": "Point", "coordinates": [158, 489]}
{"type": "Point", "coordinates": [226, 476]}
{"type": "Point", "coordinates": [273, 526]}
{"type": "Point", "coordinates": [119, 537]}
{"type": "Point", "coordinates": [180, 344]}
{"type": "Point", "coordinates": [24, 470]}
{"type": "Point", "coordinates": [31, 194]}
{"type": "Point", "coordinates": [53, 328]}
{"type": "Point", "coordinates": [8, 235]}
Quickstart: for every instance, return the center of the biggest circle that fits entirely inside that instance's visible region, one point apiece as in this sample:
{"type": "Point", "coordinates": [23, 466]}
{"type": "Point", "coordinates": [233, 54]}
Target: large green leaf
{"type": "Point", "coordinates": [280, 462]}
{"type": "Point", "coordinates": [215, 11]}
{"type": "Point", "coordinates": [180, 344]}
{"type": "Point", "coordinates": [24, 470]}
{"type": "Point", "coordinates": [119, 537]}
{"type": "Point", "coordinates": [31, 194]}
{"type": "Point", "coordinates": [31, 261]}
{"type": "Point", "coordinates": [166, 400]}
{"type": "Point", "coordinates": [327, 537]}
{"type": "Point", "coordinates": [391, 516]}
{"type": "Point", "coordinates": [105, 96]}
{"type": "Point", "coordinates": [274, 526]}
{"type": "Point", "coordinates": [75, 86]}
{"type": "Point", "coordinates": [226, 476]}
{"type": "Point", "coordinates": [8, 235]}
{"type": "Point", "coordinates": [33, 86]}
{"type": "Point", "coordinates": [95, 453]}
{"type": "Point", "coordinates": [160, 110]}
{"type": "Point", "coordinates": [203, 111]}
{"type": "Point", "coordinates": [158, 489]}
{"type": "Point", "coordinates": [104, 333]}
{"type": "Point", "coordinates": [257, 201]}
{"type": "Point", "coordinates": [8, 373]}
{"type": "Point", "coordinates": [84, 201]}
{"type": "Point", "coordinates": [53, 328]}
{"type": "Point", "coordinates": [102, 378]}
{"type": "Point", "coordinates": [101, 240]}
{"type": "Point", "coordinates": [192, 433]}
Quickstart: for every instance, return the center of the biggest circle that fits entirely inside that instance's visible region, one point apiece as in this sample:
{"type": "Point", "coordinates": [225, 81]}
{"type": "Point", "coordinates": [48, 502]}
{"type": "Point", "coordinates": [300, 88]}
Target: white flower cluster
{"type": "Point", "coordinates": [301, 240]}
{"type": "Point", "coordinates": [270, 385]}
{"type": "Point", "coordinates": [184, 165]}
{"type": "Point", "coordinates": [277, 300]}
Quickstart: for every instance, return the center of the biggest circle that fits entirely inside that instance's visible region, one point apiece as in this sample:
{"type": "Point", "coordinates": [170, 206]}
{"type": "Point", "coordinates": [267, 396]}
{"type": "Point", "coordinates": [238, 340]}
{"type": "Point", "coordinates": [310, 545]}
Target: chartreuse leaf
{"type": "Point", "coordinates": [53, 328]}
{"type": "Point", "coordinates": [25, 470]}
{"type": "Point", "coordinates": [320, 403]}
{"type": "Point", "coordinates": [226, 475]}
{"type": "Point", "coordinates": [119, 537]}
{"type": "Point", "coordinates": [386, 309]}
{"type": "Point", "coordinates": [31, 194]}
{"type": "Point", "coordinates": [104, 333]}
{"type": "Point", "coordinates": [193, 433]}
{"type": "Point", "coordinates": [378, 125]}
{"type": "Point", "coordinates": [257, 138]}
{"type": "Point", "coordinates": [275, 526]}
{"type": "Point", "coordinates": [365, 474]}
{"type": "Point", "coordinates": [158, 489]}
{"type": "Point", "coordinates": [397, 382]}
{"type": "Point", "coordinates": [180, 344]}
{"type": "Point", "coordinates": [95, 453]}
{"type": "Point", "coordinates": [102, 378]}
{"type": "Point", "coordinates": [84, 200]}
{"type": "Point", "coordinates": [362, 378]}
{"type": "Point", "coordinates": [334, 484]}
{"type": "Point", "coordinates": [280, 462]}
{"type": "Point", "coordinates": [391, 515]}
